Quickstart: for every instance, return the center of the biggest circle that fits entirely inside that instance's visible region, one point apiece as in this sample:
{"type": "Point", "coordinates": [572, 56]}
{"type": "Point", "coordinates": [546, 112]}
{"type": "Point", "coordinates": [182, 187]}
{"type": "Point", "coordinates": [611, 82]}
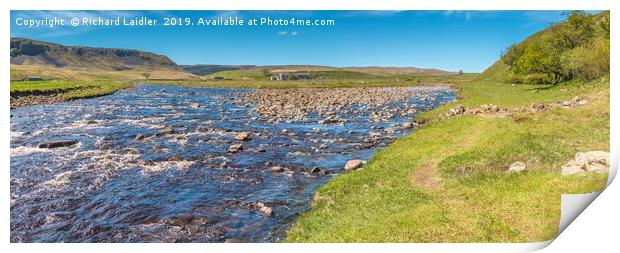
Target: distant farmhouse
{"type": "Point", "coordinates": [302, 76]}
{"type": "Point", "coordinates": [218, 78]}
{"type": "Point", "coordinates": [33, 78]}
{"type": "Point", "coordinates": [280, 77]}
{"type": "Point", "coordinates": [285, 76]}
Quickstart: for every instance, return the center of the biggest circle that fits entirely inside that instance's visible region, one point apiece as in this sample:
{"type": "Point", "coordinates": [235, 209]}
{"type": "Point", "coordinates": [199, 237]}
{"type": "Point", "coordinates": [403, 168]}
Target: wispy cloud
{"type": "Point", "coordinates": [469, 15]}
{"type": "Point", "coordinates": [287, 33]}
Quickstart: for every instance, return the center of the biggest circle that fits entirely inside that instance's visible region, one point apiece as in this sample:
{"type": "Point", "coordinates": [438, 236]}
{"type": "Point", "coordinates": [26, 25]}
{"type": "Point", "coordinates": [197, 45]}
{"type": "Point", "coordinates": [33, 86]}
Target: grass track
{"type": "Point", "coordinates": [447, 181]}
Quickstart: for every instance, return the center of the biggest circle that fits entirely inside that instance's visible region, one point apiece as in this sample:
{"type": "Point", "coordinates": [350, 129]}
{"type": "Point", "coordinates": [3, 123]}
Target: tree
{"type": "Point", "coordinates": [575, 48]}
{"type": "Point", "coordinates": [265, 72]}
{"type": "Point", "coordinates": [146, 75]}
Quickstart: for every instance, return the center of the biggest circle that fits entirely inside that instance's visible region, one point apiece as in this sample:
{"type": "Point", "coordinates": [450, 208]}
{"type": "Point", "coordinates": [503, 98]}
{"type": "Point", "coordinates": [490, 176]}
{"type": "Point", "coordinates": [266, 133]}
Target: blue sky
{"type": "Point", "coordinates": [450, 40]}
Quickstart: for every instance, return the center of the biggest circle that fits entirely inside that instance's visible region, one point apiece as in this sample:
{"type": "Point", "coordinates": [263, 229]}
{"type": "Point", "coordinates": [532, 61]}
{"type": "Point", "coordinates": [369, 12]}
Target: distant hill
{"type": "Point", "coordinates": [256, 72]}
{"type": "Point", "coordinates": [399, 70]}
{"type": "Point", "coordinates": [58, 62]}
{"type": "Point", "coordinates": [55, 61]}
{"type": "Point", "coordinates": [32, 52]}
{"type": "Point", "coordinates": [207, 69]}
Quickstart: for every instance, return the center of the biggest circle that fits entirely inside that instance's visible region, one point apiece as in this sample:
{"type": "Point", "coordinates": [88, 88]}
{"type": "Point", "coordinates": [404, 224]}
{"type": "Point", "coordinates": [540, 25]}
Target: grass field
{"type": "Point", "coordinates": [409, 80]}
{"type": "Point", "coordinates": [70, 89]}
{"type": "Point", "coordinates": [448, 181]}
{"type": "Point", "coordinates": [19, 72]}
{"type": "Point", "coordinates": [84, 83]}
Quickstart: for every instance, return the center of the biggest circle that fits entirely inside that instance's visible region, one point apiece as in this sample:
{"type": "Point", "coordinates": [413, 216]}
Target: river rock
{"type": "Point", "coordinates": [264, 209]}
{"type": "Point", "coordinates": [106, 146]}
{"type": "Point", "coordinates": [408, 125]}
{"type": "Point", "coordinates": [167, 130]}
{"type": "Point", "coordinates": [517, 167]}
{"type": "Point", "coordinates": [243, 136]}
{"type": "Point", "coordinates": [235, 148]}
{"type": "Point", "coordinates": [57, 144]}
{"type": "Point", "coordinates": [317, 170]}
{"type": "Point", "coordinates": [353, 164]}
{"type": "Point", "coordinates": [276, 169]}
{"type": "Point", "coordinates": [374, 135]}
{"type": "Point", "coordinates": [592, 161]}
{"type": "Point", "coordinates": [194, 105]}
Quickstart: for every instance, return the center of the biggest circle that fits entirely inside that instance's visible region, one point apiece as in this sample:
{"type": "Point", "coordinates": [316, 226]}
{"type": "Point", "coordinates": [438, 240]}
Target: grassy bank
{"type": "Point", "coordinates": [69, 89]}
{"type": "Point", "coordinates": [448, 181]}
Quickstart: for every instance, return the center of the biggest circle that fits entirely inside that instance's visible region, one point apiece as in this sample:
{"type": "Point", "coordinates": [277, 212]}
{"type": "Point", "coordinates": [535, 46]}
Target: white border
{"type": "Point", "coordinates": [587, 238]}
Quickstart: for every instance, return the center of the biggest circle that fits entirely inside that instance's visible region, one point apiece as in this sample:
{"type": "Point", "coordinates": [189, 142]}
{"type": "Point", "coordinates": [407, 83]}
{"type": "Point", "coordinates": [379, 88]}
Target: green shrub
{"type": "Point", "coordinates": [576, 48]}
{"type": "Point", "coordinates": [537, 79]}
{"type": "Point", "coordinates": [589, 61]}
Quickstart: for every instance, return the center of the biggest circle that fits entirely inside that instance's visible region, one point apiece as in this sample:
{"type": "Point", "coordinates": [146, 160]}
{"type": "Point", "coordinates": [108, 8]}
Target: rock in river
{"type": "Point", "coordinates": [167, 130]}
{"type": "Point", "coordinates": [264, 209]}
{"type": "Point", "coordinates": [353, 164]}
{"type": "Point", "coordinates": [235, 148]}
{"type": "Point", "coordinates": [408, 125]}
{"type": "Point", "coordinates": [57, 144]}
{"type": "Point", "coordinates": [317, 170]}
{"type": "Point", "coordinates": [243, 136]}
{"type": "Point", "coordinates": [194, 105]}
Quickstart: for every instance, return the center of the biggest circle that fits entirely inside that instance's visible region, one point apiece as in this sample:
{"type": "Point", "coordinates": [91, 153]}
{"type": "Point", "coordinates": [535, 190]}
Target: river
{"type": "Point", "coordinates": [126, 180]}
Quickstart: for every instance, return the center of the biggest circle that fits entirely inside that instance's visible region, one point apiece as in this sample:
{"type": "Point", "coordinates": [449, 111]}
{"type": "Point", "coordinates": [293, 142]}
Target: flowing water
{"type": "Point", "coordinates": [123, 182]}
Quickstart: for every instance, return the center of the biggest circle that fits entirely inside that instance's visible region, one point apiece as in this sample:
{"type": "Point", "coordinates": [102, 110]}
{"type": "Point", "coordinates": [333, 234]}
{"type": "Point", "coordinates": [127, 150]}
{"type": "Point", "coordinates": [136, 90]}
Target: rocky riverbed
{"type": "Point", "coordinates": [177, 164]}
{"type": "Point", "coordinates": [21, 99]}
{"type": "Point", "coordinates": [297, 105]}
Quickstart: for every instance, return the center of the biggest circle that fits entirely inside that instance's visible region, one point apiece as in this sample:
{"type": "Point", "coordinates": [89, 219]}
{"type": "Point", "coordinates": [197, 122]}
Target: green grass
{"type": "Point", "coordinates": [447, 182]}
{"type": "Point", "coordinates": [240, 75]}
{"type": "Point", "coordinates": [70, 89]}
{"type": "Point", "coordinates": [326, 83]}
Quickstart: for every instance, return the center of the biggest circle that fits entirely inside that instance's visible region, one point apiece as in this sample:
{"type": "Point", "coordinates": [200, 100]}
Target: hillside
{"type": "Point", "coordinates": [29, 52]}
{"type": "Point", "coordinates": [250, 71]}
{"type": "Point", "coordinates": [578, 48]}
{"type": "Point", "coordinates": [207, 69]}
{"type": "Point", "coordinates": [55, 61]}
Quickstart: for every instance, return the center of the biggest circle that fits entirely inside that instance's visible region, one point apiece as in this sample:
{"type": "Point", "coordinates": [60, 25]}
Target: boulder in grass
{"type": "Point", "coordinates": [353, 164]}
{"type": "Point", "coordinates": [592, 161]}
{"type": "Point", "coordinates": [517, 167]}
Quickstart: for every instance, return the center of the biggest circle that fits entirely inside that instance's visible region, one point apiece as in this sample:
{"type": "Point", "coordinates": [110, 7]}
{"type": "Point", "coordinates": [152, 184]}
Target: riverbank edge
{"type": "Point", "coordinates": [426, 121]}
{"type": "Point", "coordinates": [45, 97]}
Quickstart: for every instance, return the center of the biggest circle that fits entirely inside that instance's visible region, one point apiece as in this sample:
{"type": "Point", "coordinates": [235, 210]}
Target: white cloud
{"type": "Point", "coordinates": [282, 33]}
{"type": "Point", "coordinates": [294, 33]}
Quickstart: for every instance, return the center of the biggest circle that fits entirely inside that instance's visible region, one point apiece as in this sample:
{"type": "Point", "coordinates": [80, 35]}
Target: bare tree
{"type": "Point", "coordinates": [146, 75]}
